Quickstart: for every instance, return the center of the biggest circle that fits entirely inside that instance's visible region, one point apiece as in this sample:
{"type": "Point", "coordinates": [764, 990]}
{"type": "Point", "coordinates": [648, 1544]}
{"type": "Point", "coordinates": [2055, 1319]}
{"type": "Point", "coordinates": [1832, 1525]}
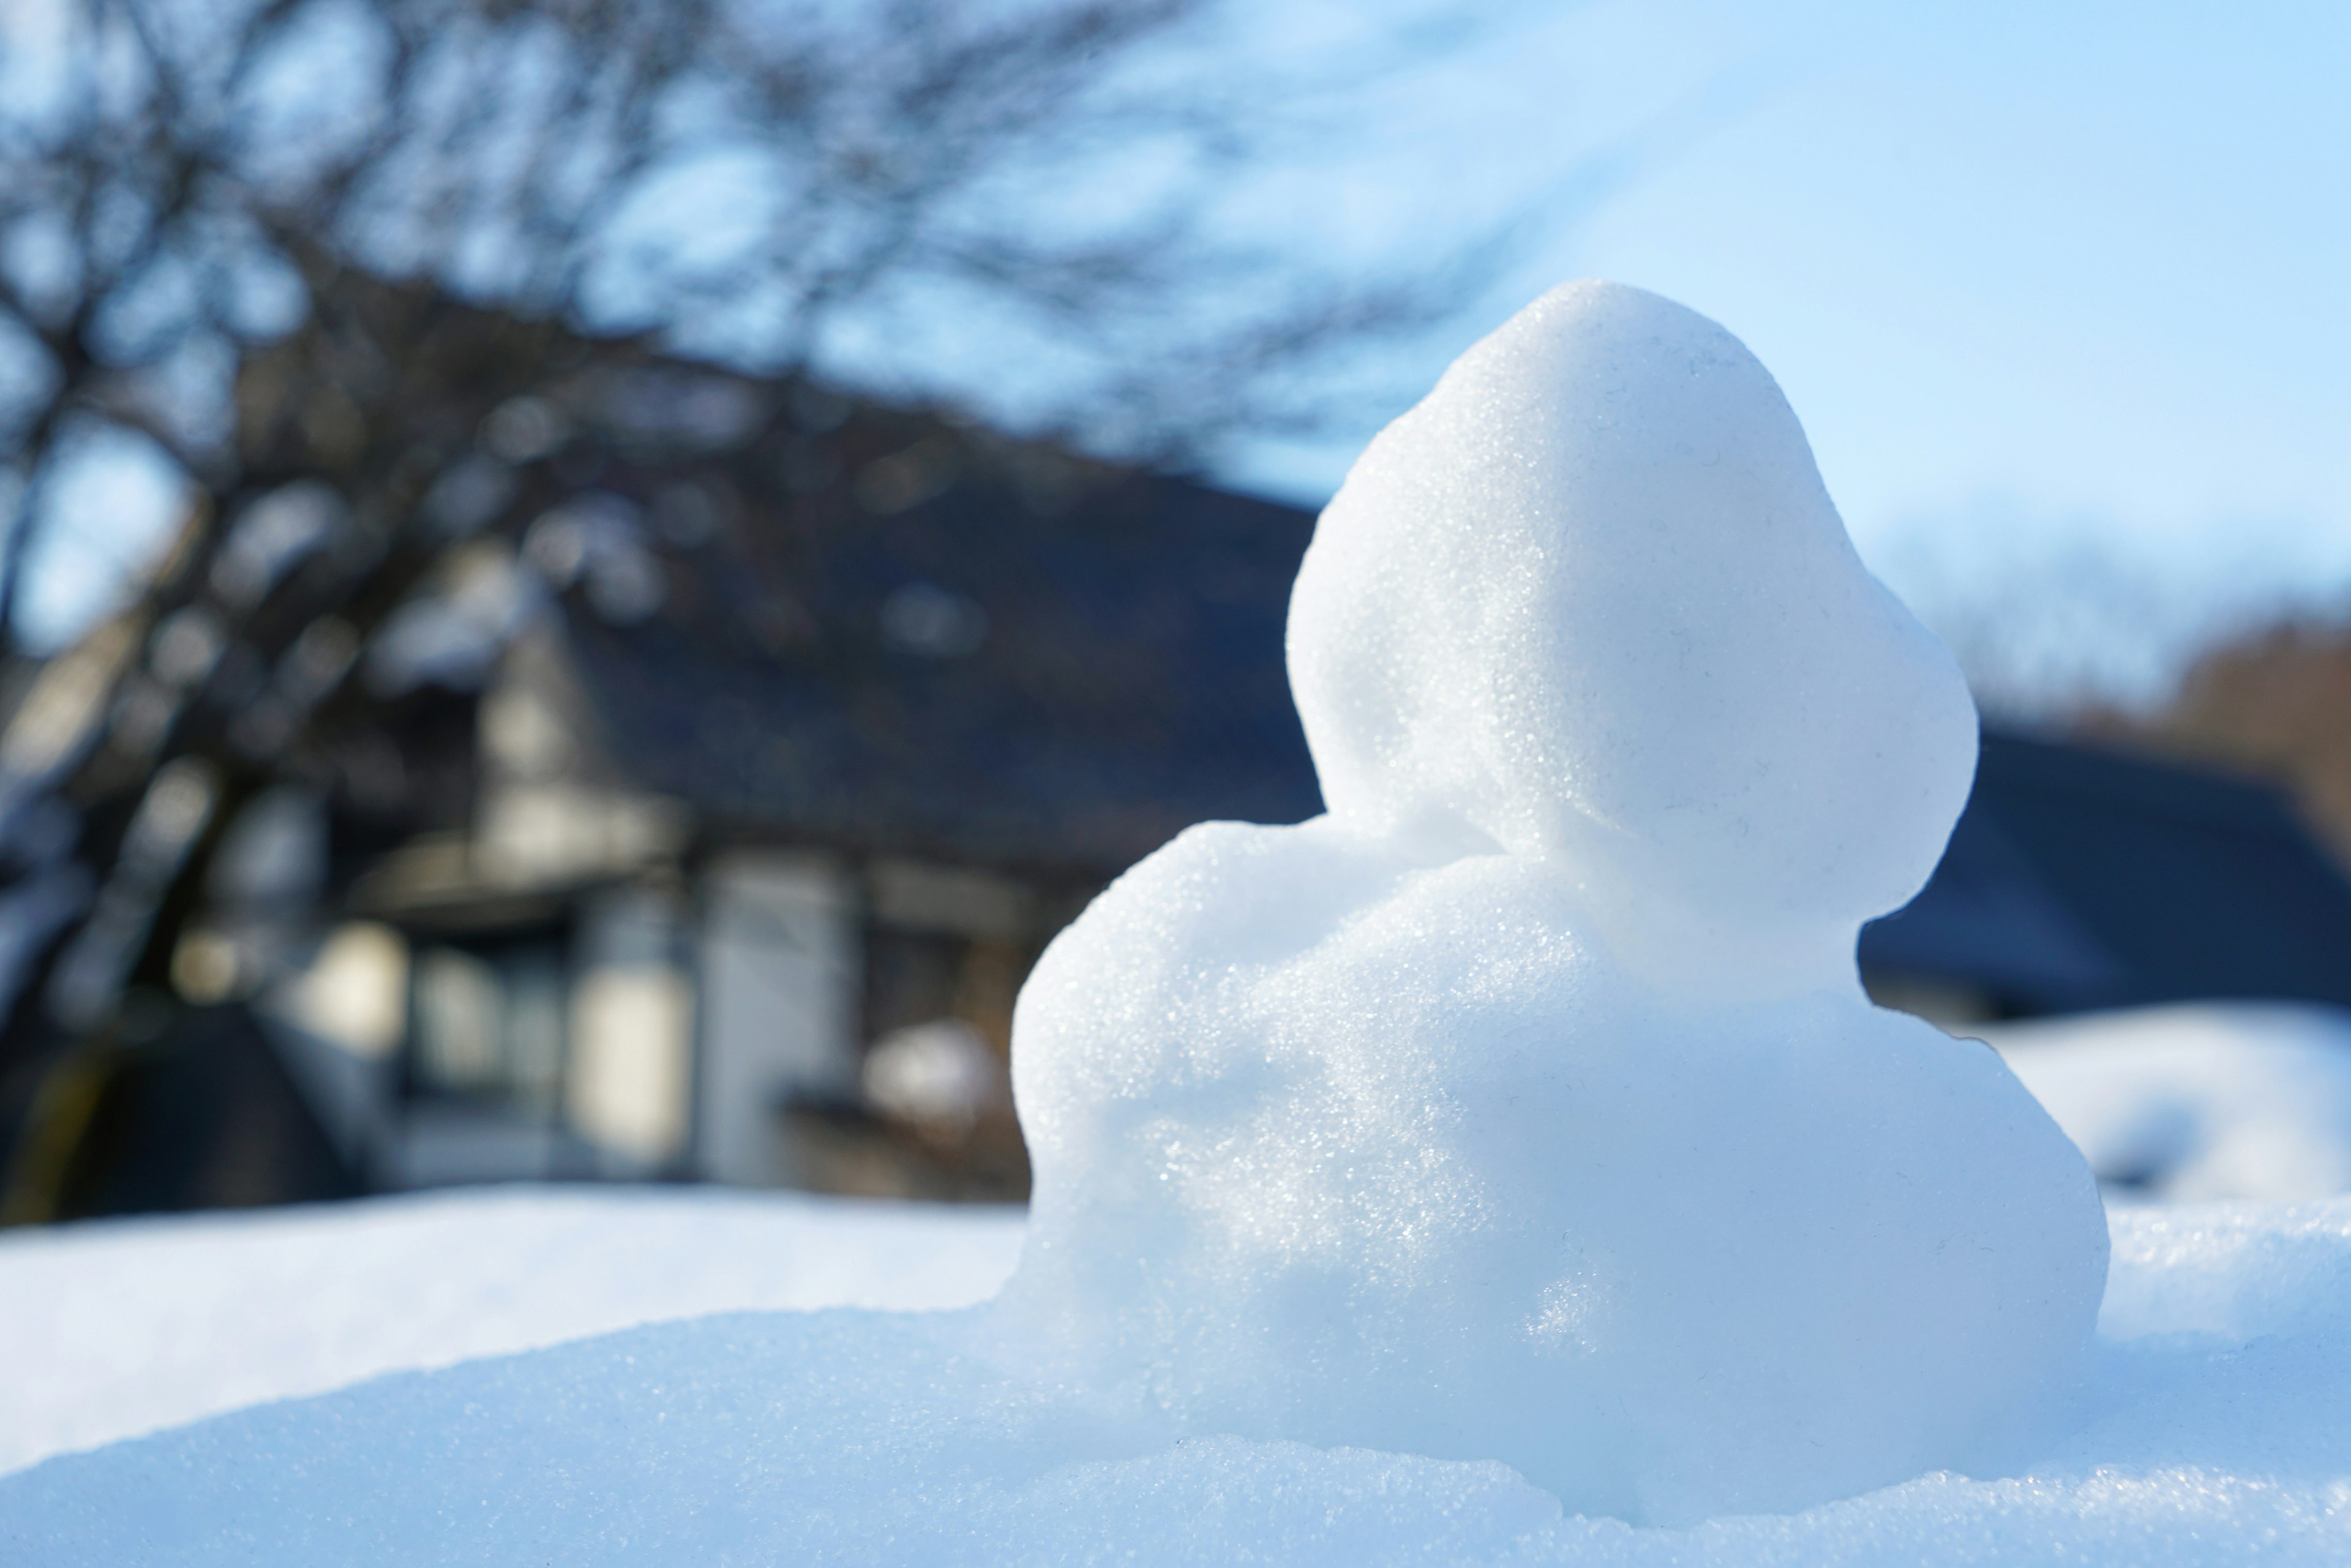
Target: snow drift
{"type": "Point", "coordinates": [2196, 1102]}
{"type": "Point", "coordinates": [2212, 1433]}
{"type": "Point", "coordinates": [117, 1328]}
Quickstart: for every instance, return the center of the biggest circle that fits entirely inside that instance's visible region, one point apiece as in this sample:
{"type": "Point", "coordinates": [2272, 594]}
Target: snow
{"type": "Point", "coordinates": [1527, 1106]}
{"type": "Point", "coordinates": [2183, 1103]}
{"type": "Point", "coordinates": [1504, 1168]}
{"type": "Point", "coordinates": [117, 1328]}
{"type": "Point", "coordinates": [2210, 1433]}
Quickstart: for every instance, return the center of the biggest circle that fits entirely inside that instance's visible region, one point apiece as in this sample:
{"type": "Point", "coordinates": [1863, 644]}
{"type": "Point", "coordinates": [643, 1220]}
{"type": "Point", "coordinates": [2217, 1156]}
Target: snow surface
{"type": "Point", "coordinates": [1528, 1106]}
{"type": "Point", "coordinates": [2216, 1099]}
{"type": "Point", "coordinates": [116, 1328]}
{"type": "Point", "coordinates": [2211, 1431]}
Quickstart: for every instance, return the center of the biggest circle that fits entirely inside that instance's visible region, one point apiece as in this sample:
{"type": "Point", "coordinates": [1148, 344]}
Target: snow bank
{"type": "Point", "coordinates": [118, 1328]}
{"type": "Point", "coordinates": [2173, 1105]}
{"type": "Point", "coordinates": [2211, 1432]}
{"type": "Point", "coordinates": [1527, 1106]}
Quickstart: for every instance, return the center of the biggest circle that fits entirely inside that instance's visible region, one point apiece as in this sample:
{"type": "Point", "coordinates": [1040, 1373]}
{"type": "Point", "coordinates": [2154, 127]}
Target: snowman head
{"type": "Point", "coordinates": [1590, 602]}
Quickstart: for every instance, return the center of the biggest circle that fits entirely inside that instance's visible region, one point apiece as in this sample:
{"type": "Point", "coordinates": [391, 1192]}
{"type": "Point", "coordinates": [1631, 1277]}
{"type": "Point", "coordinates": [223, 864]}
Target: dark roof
{"type": "Point", "coordinates": [1123, 677]}
{"type": "Point", "coordinates": [2081, 878]}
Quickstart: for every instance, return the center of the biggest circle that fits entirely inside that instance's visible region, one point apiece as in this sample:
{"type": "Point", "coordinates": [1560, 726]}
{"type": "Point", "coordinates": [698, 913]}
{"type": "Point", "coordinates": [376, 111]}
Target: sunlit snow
{"type": "Point", "coordinates": [1527, 1106]}
{"type": "Point", "coordinates": [2196, 1101]}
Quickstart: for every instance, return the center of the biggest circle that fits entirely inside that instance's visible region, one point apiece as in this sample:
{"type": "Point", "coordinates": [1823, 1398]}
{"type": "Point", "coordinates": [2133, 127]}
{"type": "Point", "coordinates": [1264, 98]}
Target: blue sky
{"type": "Point", "coordinates": [2059, 290]}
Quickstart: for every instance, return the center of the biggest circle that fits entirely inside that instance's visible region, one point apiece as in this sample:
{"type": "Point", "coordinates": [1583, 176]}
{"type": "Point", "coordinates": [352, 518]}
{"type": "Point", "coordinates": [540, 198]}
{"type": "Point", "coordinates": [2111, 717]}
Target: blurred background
{"type": "Point", "coordinates": [584, 583]}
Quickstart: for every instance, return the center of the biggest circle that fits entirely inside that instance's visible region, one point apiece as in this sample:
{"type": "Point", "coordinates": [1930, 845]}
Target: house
{"type": "Point", "coordinates": [835, 796]}
{"type": "Point", "coordinates": [704, 886]}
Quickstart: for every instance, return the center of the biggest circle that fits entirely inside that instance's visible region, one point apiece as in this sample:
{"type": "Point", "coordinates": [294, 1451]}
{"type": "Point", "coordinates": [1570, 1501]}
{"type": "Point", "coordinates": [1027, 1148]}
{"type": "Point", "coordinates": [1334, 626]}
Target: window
{"type": "Point", "coordinates": [488, 1022]}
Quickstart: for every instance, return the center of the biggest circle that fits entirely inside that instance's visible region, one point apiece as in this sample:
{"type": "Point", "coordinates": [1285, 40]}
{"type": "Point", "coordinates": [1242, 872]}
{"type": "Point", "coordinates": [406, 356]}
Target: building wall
{"type": "Point", "coordinates": [779, 972]}
{"type": "Point", "coordinates": [629, 1087]}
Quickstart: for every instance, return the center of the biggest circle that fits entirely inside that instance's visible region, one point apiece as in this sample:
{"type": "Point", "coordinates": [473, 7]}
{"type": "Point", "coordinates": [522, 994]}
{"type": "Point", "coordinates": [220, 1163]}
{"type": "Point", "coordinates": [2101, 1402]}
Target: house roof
{"type": "Point", "coordinates": [1058, 685]}
{"type": "Point", "coordinates": [2081, 878]}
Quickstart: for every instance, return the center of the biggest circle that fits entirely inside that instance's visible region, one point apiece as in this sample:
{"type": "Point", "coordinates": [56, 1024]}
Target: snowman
{"type": "Point", "coordinates": [1526, 1106]}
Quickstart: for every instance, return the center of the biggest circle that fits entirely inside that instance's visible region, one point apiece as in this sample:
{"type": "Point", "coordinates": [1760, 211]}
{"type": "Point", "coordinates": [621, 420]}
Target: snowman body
{"type": "Point", "coordinates": [1527, 1106]}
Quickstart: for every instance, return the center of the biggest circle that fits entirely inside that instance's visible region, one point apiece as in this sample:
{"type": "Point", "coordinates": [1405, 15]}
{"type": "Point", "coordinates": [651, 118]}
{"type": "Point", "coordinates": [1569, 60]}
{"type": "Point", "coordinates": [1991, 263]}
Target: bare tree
{"type": "Point", "coordinates": [341, 266]}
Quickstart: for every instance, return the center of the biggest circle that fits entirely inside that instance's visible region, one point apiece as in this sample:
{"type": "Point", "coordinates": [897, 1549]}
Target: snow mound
{"type": "Point", "coordinates": [2210, 1433]}
{"type": "Point", "coordinates": [2192, 1104]}
{"type": "Point", "coordinates": [123, 1327]}
{"type": "Point", "coordinates": [1527, 1106]}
